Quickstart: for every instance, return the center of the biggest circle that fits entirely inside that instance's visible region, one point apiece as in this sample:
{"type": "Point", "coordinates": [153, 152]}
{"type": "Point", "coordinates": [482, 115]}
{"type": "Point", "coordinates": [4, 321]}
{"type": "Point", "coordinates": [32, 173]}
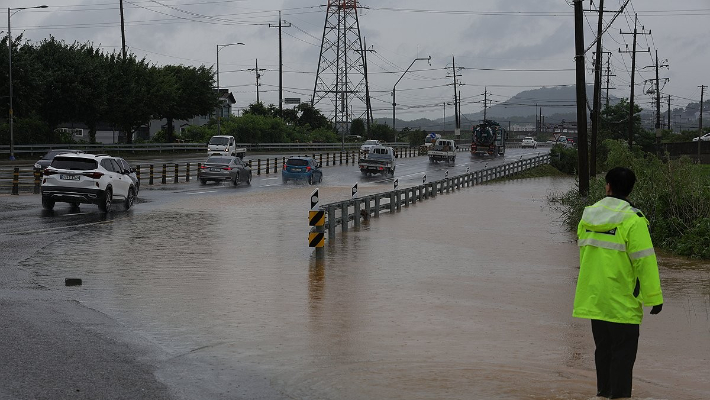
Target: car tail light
{"type": "Point", "coordinates": [380, 168]}
{"type": "Point", "coordinates": [203, 167]}
{"type": "Point", "coordinates": [284, 168]}
{"type": "Point", "coordinates": [48, 172]}
{"type": "Point", "coordinates": [308, 168]}
{"type": "Point", "coordinates": [227, 168]}
{"type": "Point", "coordinates": [93, 174]}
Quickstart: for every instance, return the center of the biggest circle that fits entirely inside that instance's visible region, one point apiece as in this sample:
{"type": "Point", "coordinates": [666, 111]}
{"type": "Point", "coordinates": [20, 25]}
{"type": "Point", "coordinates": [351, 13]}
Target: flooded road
{"type": "Point", "coordinates": [468, 296]}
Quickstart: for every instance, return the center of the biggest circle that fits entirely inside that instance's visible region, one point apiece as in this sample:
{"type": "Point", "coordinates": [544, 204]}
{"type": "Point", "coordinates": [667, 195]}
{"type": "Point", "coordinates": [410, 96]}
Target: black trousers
{"type": "Point", "coordinates": [615, 354]}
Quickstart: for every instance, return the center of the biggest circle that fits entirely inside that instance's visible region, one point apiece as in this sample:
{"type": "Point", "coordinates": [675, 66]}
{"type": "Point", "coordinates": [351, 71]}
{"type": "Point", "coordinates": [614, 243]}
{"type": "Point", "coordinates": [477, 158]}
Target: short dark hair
{"type": "Point", "coordinates": [621, 181]}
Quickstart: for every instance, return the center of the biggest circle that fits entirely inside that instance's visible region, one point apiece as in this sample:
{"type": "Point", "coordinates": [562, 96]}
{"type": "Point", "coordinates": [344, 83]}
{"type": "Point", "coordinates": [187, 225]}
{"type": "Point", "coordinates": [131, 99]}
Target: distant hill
{"type": "Point", "coordinates": [557, 103]}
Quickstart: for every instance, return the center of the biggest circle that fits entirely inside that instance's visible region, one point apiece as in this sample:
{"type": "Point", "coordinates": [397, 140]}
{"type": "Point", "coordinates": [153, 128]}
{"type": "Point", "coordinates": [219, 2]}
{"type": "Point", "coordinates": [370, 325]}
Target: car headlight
{"type": "Point", "coordinates": [37, 166]}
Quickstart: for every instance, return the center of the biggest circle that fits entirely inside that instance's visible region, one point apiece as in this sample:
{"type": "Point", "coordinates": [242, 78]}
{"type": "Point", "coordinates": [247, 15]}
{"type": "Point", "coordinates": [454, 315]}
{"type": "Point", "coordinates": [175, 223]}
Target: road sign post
{"type": "Point", "coordinates": [316, 220]}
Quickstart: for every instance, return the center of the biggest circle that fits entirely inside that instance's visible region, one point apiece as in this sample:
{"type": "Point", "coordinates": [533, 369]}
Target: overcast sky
{"type": "Point", "coordinates": [527, 44]}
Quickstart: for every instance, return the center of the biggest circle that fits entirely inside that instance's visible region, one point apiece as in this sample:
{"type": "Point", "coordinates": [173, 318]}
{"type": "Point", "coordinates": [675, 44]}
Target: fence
{"type": "Point", "coordinates": [18, 180]}
{"type": "Point", "coordinates": [358, 209]}
{"type": "Point", "coordinates": [137, 148]}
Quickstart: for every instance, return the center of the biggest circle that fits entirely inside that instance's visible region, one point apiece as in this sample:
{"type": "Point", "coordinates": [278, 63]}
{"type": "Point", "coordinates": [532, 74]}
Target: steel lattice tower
{"type": "Point", "coordinates": [342, 70]}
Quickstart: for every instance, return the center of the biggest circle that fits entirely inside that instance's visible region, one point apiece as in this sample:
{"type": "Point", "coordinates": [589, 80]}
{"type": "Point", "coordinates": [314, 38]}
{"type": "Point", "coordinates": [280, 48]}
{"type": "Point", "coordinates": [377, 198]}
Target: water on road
{"type": "Point", "coordinates": [465, 296]}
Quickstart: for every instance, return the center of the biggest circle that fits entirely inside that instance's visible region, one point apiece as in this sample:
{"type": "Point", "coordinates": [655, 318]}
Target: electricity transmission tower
{"type": "Point", "coordinates": [341, 80]}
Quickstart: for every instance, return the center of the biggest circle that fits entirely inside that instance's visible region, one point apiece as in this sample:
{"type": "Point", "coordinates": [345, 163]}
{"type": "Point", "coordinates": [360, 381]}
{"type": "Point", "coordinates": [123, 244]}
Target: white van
{"type": "Point", "coordinates": [223, 145]}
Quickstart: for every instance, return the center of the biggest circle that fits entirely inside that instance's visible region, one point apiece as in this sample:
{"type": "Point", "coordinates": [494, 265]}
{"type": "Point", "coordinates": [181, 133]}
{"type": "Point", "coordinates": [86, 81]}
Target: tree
{"type": "Point", "coordinates": [132, 101]}
{"type": "Point", "coordinates": [182, 93]}
{"type": "Point", "coordinates": [357, 127]}
{"type": "Point", "coordinates": [312, 117]}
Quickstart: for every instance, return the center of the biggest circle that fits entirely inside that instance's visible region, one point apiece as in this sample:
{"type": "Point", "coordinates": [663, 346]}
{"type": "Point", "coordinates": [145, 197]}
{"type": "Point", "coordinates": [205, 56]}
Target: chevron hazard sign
{"type": "Point", "coordinates": [316, 239]}
{"type": "Point", "coordinates": [316, 218]}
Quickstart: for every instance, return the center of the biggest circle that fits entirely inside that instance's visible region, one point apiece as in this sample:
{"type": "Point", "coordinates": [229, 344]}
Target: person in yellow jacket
{"type": "Point", "coordinates": [618, 275]}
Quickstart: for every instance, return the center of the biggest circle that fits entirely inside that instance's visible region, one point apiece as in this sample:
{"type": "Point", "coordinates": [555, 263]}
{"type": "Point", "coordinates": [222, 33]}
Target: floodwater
{"type": "Point", "coordinates": [467, 296]}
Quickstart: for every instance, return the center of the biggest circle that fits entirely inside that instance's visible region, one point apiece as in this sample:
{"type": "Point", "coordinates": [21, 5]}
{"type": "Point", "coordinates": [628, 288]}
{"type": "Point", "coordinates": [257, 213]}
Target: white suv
{"type": "Point", "coordinates": [87, 178]}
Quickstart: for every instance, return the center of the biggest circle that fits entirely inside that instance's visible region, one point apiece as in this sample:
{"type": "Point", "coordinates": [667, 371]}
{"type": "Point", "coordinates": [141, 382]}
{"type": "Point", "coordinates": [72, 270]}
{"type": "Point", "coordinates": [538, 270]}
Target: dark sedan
{"type": "Point", "coordinates": [224, 168]}
{"type": "Point", "coordinates": [45, 161]}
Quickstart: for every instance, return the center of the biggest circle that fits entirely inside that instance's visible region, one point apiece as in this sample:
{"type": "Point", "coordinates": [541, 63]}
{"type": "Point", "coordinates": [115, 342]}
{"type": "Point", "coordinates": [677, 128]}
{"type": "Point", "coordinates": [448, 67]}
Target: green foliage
{"type": "Point", "coordinates": [31, 130]}
{"type": "Point", "coordinates": [357, 127]}
{"type": "Point", "coordinates": [381, 132]}
{"type": "Point", "coordinates": [416, 138]}
{"type": "Point", "coordinates": [564, 158]}
{"type": "Point", "coordinates": [673, 196]}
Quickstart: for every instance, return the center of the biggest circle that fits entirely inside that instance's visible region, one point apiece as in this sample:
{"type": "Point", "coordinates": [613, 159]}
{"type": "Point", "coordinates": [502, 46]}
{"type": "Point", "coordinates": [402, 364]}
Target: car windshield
{"type": "Point", "coordinates": [371, 142]}
{"type": "Point", "coordinates": [219, 141]}
{"type": "Point", "coordinates": [74, 163]}
{"type": "Point", "coordinates": [219, 160]}
{"type": "Point", "coordinates": [528, 138]}
{"type": "Point", "coordinates": [297, 162]}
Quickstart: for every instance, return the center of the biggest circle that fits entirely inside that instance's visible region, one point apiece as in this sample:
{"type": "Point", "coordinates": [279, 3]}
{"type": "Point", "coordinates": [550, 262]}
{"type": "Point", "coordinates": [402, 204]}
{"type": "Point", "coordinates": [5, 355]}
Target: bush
{"type": "Point", "coordinates": [672, 195]}
{"type": "Point", "coordinates": [564, 158]}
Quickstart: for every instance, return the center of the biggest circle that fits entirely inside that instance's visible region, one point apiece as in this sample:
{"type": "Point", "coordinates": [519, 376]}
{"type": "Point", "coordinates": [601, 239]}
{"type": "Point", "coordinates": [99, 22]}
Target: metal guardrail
{"type": "Point", "coordinates": [183, 147]}
{"type": "Point", "coordinates": [362, 208]}
{"type": "Point", "coordinates": [27, 180]}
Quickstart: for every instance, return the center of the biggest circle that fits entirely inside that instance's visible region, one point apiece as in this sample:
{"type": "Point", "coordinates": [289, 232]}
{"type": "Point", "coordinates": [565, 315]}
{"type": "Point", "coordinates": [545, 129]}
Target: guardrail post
{"type": "Point", "coordinates": [320, 159]}
{"type": "Point", "coordinates": [341, 158]}
{"type": "Point", "coordinates": [334, 159]}
{"type": "Point", "coordinates": [138, 172]}
{"type": "Point", "coordinates": [368, 208]}
{"type": "Point", "coordinates": [377, 205]}
{"type": "Point", "coordinates": [258, 166]}
{"type": "Point", "coordinates": [37, 174]}
{"type": "Point", "coordinates": [327, 159]}
{"type": "Point", "coordinates": [150, 175]}
{"type": "Point", "coordinates": [177, 174]}
{"type": "Point", "coordinates": [164, 178]}
{"type": "Point", "coordinates": [356, 213]}
{"type": "Point", "coordinates": [276, 161]}
{"type": "Point", "coordinates": [16, 180]}
{"type": "Point", "coordinates": [331, 221]}
{"type": "Point", "coordinates": [187, 172]}
{"type": "Point", "coordinates": [392, 206]}
{"type": "Point", "coordinates": [344, 215]}
{"type": "Point", "coordinates": [347, 158]}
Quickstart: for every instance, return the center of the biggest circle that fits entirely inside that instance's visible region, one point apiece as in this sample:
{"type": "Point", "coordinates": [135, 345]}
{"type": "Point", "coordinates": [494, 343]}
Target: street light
{"type": "Point", "coordinates": [9, 49]}
{"type": "Point", "coordinates": [219, 115]}
{"type": "Point", "coordinates": [394, 103]}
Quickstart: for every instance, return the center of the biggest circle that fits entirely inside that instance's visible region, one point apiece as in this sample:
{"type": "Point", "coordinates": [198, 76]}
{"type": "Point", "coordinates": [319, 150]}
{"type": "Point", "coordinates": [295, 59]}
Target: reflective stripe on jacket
{"type": "Point", "coordinates": [615, 255]}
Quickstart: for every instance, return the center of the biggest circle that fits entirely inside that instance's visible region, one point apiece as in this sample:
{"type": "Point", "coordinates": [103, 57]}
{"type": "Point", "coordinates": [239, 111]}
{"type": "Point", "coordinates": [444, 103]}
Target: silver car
{"type": "Point", "coordinates": [224, 168]}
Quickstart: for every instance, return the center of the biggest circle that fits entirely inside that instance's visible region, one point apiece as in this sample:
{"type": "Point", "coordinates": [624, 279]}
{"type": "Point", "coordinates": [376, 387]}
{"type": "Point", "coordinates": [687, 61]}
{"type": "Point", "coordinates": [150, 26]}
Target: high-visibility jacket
{"type": "Point", "coordinates": [618, 271]}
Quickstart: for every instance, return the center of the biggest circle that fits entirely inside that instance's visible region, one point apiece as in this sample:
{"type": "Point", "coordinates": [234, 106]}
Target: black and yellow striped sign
{"type": "Point", "coordinates": [316, 239]}
{"type": "Point", "coordinates": [316, 218]}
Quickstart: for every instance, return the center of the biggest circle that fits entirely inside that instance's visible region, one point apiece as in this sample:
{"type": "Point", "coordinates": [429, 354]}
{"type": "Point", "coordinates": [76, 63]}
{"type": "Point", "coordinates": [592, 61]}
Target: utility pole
{"type": "Point", "coordinates": [581, 86]}
{"type": "Point", "coordinates": [608, 75]}
{"type": "Point", "coordinates": [257, 72]}
{"type": "Point", "coordinates": [633, 74]}
{"type": "Point", "coordinates": [485, 102]}
{"type": "Point", "coordinates": [700, 128]}
{"type": "Point", "coordinates": [457, 127]}
{"type": "Point", "coordinates": [123, 32]}
{"type": "Point", "coordinates": [597, 94]}
{"type": "Point", "coordinates": [669, 112]}
{"type": "Point", "coordinates": [281, 64]}
{"type": "Point", "coordinates": [368, 105]}
{"type": "Point", "coordinates": [658, 103]}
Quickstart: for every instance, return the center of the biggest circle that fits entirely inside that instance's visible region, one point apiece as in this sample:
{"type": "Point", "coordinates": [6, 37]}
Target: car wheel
{"type": "Point", "coordinates": [310, 179]}
{"type": "Point", "coordinates": [130, 199]}
{"type": "Point", "coordinates": [320, 178]}
{"type": "Point", "coordinates": [203, 181]}
{"type": "Point", "coordinates": [249, 178]}
{"type": "Point", "coordinates": [105, 205]}
{"type": "Point", "coordinates": [236, 180]}
{"type": "Point", "coordinates": [47, 203]}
